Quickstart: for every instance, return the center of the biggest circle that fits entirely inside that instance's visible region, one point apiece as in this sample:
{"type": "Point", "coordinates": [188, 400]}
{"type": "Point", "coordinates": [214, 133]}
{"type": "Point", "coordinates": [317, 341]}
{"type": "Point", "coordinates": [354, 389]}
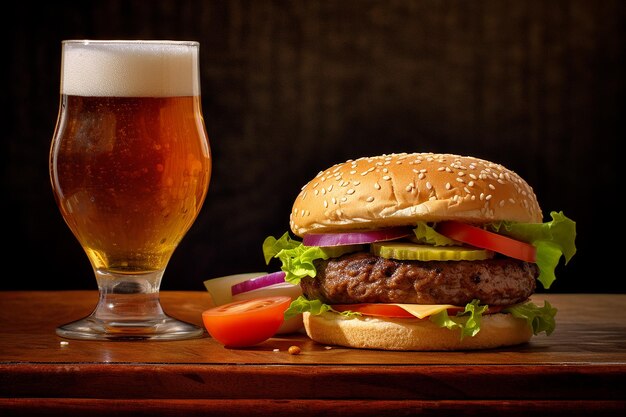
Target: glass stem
{"type": "Point", "coordinates": [129, 309]}
{"type": "Point", "coordinates": [128, 298]}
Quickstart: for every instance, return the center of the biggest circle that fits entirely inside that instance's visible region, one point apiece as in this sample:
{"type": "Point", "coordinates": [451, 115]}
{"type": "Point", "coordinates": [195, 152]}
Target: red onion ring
{"type": "Point", "coordinates": [355, 238]}
{"type": "Point", "coordinates": [258, 282]}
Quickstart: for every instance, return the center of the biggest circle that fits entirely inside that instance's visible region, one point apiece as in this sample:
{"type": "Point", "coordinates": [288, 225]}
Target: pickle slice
{"type": "Point", "coordinates": [415, 252]}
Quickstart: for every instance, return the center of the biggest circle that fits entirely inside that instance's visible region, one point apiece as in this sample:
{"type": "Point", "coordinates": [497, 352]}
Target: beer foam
{"type": "Point", "coordinates": [130, 68]}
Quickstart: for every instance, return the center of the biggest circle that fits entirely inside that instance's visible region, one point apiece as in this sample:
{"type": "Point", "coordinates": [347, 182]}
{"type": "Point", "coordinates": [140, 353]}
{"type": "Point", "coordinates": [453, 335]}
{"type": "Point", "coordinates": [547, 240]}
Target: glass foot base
{"type": "Point", "coordinates": [165, 328]}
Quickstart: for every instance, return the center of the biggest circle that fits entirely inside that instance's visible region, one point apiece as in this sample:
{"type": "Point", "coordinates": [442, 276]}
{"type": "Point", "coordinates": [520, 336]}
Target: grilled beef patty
{"type": "Point", "coordinates": [367, 278]}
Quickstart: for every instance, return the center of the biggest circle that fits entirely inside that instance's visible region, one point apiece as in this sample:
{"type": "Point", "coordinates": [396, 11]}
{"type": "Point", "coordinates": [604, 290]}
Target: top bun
{"type": "Point", "coordinates": [401, 189]}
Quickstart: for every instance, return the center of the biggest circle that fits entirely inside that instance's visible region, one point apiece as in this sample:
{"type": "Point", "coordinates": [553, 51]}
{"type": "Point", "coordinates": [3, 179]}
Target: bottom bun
{"type": "Point", "coordinates": [496, 330]}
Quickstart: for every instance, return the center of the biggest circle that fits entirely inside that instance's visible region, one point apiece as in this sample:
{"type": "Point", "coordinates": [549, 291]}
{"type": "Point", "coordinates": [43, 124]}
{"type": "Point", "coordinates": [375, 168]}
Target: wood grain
{"type": "Point", "coordinates": [582, 366]}
{"type": "Point", "coordinates": [305, 408]}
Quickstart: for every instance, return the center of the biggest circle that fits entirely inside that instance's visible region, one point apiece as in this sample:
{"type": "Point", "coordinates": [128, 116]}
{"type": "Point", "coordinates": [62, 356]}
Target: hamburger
{"type": "Point", "coordinates": [421, 251]}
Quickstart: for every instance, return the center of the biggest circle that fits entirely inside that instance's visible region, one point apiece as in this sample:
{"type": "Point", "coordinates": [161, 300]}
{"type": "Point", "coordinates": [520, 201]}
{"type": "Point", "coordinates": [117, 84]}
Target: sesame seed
{"type": "Point", "coordinates": [501, 203]}
{"type": "Point", "coordinates": [369, 199]}
{"type": "Point", "coordinates": [460, 179]}
{"type": "Point", "coordinates": [325, 204]}
{"type": "Point", "coordinates": [353, 172]}
{"type": "Point", "coordinates": [429, 185]}
{"type": "Point", "coordinates": [377, 186]}
{"type": "Point", "coordinates": [420, 176]}
{"type": "Point", "coordinates": [386, 177]}
{"type": "Point", "coordinates": [448, 169]}
{"type": "Point", "coordinates": [488, 197]}
{"type": "Point", "coordinates": [512, 201]}
{"type": "Point", "coordinates": [334, 200]}
{"type": "Point", "coordinates": [448, 186]}
{"type": "Point", "coordinates": [355, 183]}
{"type": "Point", "coordinates": [472, 176]}
{"type": "Point", "coordinates": [330, 187]}
{"type": "Point", "coordinates": [493, 187]}
{"type": "Point", "coordinates": [460, 173]}
{"type": "Point", "coordinates": [350, 191]}
{"type": "Point", "coordinates": [344, 199]}
{"type": "Point", "coordinates": [466, 190]}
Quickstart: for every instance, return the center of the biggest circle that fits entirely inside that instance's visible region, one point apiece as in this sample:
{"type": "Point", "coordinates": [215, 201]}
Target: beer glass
{"type": "Point", "coordinates": [130, 166]}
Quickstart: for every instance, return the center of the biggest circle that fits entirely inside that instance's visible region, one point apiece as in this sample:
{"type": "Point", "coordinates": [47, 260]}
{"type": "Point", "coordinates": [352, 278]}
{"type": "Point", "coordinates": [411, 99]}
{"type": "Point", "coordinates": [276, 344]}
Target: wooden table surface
{"type": "Point", "coordinates": [580, 369]}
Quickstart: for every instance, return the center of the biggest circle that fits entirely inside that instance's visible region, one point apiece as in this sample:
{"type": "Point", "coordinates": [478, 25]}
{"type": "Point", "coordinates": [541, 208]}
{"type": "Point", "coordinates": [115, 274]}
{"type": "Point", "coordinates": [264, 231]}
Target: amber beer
{"type": "Point", "coordinates": [131, 162]}
{"type": "Point", "coordinates": [130, 166]}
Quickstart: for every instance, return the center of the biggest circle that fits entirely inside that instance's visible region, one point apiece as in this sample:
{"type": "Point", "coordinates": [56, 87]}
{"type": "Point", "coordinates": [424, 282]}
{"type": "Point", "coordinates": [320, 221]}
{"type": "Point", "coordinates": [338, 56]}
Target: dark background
{"type": "Point", "coordinates": [292, 87]}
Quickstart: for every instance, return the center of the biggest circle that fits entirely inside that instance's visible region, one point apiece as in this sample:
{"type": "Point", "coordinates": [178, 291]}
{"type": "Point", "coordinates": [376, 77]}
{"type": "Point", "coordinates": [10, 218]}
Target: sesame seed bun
{"type": "Point", "coordinates": [496, 330]}
{"type": "Point", "coordinates": [400, 189]}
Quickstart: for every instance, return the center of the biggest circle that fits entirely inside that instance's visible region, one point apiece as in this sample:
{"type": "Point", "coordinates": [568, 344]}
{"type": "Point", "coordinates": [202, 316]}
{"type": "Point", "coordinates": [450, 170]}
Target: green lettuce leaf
{"type": "Point", "coordinates": [468, 320]}
{"type": "Point", "coordinates": [302, 304]}
{"type": "Point", "coordinates": [540, 319]}
{"type": "Point", "coordinates": [552, 239]}
{"type": "Point", "coordinates": [272, 246]}
{"type": "Point", "coordinates": [297, 259]}
{"type": "Point", "coordinates": [426, 234]}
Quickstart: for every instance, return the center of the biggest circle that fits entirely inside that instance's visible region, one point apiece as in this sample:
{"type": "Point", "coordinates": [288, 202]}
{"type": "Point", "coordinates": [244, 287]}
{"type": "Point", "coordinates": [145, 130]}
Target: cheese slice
{"type": "Point", "coordinates": [425, 310]}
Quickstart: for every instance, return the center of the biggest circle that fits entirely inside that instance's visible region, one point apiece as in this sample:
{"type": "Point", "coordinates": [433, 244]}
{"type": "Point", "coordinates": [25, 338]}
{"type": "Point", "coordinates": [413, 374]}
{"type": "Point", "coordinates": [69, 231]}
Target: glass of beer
{"type": "Point", "coordinates": [130, 166]}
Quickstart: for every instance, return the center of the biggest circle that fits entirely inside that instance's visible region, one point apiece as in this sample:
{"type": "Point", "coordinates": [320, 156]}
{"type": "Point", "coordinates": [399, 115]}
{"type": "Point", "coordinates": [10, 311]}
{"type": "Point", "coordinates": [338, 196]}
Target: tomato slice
{"type": "Point", "coordinates": [485, 239]}
{"type": "Point", "coordinates": [247, 322]}
{"type": "Point", "coordinates": [376, 310]}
